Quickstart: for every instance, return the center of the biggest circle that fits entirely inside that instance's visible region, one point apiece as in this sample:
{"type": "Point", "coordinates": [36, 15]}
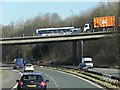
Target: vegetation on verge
{"type": "Point", "coordinates": [104, 52]}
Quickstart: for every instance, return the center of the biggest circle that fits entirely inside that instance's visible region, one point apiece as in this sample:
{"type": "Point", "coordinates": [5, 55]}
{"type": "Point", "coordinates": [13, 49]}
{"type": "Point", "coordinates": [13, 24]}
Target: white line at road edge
{"type": "Point", "coordinates": [79, 78]}
{"type": "Point", "coordinates": [16, 84]}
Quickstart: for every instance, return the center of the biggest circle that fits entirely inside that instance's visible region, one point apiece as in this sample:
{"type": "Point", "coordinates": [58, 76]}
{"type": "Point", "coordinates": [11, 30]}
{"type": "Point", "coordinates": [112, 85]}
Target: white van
{"type": "Point", "coordinates": [88, 62]}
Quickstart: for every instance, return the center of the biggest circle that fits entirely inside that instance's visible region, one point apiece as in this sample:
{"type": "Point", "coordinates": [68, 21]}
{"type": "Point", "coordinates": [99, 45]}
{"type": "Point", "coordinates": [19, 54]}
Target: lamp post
{"type": "Point", "coordinates": [81, 51]}
{"type": "Point", "coordinates": [72, 17]}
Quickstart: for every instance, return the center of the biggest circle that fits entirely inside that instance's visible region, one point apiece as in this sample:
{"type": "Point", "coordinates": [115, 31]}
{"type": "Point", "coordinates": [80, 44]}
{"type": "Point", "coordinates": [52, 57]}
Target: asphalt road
{"type": "Point", "coordinates": [66, 81]}
{"type": "Point", "coordinates": [57, 80]}
{"type": "Point", "coordinates": [9, 78]}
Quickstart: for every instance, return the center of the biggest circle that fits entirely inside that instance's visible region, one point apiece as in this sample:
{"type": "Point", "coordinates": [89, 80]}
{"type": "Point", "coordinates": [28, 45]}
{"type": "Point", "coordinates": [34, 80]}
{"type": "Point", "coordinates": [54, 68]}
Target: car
{"type": "Point", "coordinates": [32, 81]}
{"type": "Point", "coordinates": [41, 63]}
{"type": "Point", "coordinates": [26, 61]}
{"type": "Point", "coordinates": [82, 66]}
{"type": "Point", "coordinates": [28, 67]}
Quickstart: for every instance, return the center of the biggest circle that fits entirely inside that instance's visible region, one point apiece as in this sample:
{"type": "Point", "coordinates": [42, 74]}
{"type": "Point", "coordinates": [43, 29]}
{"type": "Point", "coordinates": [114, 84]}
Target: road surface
{"type": "Point", "coordinates": [9, 78]}
{"type": "Point", "coordinates": [58, 80]}
{"type": "Point", "coordinates": [67, 81]}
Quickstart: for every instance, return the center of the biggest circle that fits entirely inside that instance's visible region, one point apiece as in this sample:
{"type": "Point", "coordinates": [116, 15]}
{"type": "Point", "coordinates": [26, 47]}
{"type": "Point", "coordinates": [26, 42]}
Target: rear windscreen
{"type": "Point", "coordinates": [32, 77]}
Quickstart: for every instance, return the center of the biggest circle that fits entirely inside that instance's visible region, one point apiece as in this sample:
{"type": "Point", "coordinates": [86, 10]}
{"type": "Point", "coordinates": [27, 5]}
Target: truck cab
{"type": "Point", "coordinates": [88, 62]}
{"type": "Point", "coordinates": [86, 27]}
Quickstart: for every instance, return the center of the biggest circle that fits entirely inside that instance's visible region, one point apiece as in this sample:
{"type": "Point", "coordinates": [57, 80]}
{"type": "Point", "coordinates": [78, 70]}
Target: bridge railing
{"type": "Point", "coordinates": [72, 35]}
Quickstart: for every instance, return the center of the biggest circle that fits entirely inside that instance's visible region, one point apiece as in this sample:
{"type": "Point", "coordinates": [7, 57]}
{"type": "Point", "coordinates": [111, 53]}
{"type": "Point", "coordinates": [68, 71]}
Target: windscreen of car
{"type": "Point", "coordinates": [32, 78]}
{"type": "Point", "coordinates": [86, 25]}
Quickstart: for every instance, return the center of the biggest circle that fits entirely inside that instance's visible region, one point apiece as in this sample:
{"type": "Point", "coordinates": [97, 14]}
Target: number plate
{"type": "Point", "coordinates": [31, 85]}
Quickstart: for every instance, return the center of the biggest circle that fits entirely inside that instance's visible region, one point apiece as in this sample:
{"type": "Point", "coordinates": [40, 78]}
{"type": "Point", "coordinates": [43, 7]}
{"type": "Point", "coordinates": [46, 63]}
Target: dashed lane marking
{"type": "Point", "coordinates": [78, 78]}
{"type": "Point", "coordinates": [53, 81]}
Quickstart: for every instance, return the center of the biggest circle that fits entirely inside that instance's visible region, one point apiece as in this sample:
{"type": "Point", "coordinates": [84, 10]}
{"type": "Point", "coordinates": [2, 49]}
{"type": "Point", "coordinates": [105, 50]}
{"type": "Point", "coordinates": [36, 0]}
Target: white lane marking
{"type": "Point", "coordinates": [56, 85]}
{"type": "Point", "coordinates": [17, 83]}
{"type": "Point", "coordinates": [53, 81]}
{"type": "Point", "coordinates": [14, 87]}
{"type": "Point", "coordinates": [79, 78]}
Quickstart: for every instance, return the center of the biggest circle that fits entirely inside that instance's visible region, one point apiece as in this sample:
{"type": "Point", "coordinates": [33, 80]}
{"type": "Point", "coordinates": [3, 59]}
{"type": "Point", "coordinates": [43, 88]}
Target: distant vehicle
{"type": "Point", "coordinates": [105, 23]}
{"type": "Point", "coordinates": [26, 62]}
{"type": "Point", "coordinates": [28, 67]}
{"type": "Point", "coordinates": [54, 31]}
{"type": "Point", "coordinates": [32, 81]}
{"type": "Point", "coordinates": [87, 61]}
{"type": "Point", "coordinates": [41, 63]}
{"type": "Point", "coordinates": [18, 63]}
{"type": "Point", "coordinates": [76, 31]}
{"type": "Point", "coordinates": [82, 66]}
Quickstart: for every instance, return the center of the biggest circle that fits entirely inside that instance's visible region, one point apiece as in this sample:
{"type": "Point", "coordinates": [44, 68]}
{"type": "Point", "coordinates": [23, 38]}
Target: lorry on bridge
{"type": "Point", "coordinates": [105, 23]}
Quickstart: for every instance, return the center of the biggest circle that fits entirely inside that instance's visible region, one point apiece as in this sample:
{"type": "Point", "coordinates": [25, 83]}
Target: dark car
{"type": "Point", "coordinates": [26, 61]}
{"type": "Point", "coordinates": [32, 81]}
{"type": "Point", "coordinates": [82, 66]}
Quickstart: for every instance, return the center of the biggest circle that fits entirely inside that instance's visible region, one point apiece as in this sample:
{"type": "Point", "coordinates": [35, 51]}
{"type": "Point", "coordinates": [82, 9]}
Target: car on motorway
{"type": "Point", "coordinates": [82, 66]}
{"type": "Point", "coordinates": [41, 63]}
{"type": "Point", "coordinates": [28, 67]}
{"type": "Point", "coordinates": [26, 61]}
{"type": "Point", "coordinates": [32, 81]}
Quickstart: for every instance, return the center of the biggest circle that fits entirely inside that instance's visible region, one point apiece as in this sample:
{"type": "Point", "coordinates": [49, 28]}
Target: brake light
{"type": "Point", "coordinates": [43, 84]}
{"type": "Point", "coordinates": [20, 83]}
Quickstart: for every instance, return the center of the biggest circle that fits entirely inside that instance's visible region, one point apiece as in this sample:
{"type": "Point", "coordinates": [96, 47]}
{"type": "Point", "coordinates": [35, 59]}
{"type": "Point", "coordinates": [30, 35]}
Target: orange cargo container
{"type": "Point", "coordinates": [102, 22]}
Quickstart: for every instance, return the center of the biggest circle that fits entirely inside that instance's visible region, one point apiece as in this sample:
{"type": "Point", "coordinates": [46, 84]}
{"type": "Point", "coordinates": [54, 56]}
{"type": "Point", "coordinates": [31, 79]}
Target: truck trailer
{"type": "Point", "coordinates": [105, 23]}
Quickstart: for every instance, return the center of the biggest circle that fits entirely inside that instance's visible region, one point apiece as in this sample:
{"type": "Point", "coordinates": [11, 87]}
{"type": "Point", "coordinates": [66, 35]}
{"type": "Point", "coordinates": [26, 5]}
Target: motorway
{"type": "Point", "coordinates": [57, 80]}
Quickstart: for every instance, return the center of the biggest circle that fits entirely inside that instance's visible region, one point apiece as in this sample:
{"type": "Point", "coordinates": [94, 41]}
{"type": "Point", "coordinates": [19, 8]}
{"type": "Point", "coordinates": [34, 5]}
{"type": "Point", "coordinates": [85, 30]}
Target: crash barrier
{"type": "Point", "coordinates": [97, 73]}
{"type": "Point", "coordinates": [104, 77]}
{"type": "Point", "coordinates": [113, 80]}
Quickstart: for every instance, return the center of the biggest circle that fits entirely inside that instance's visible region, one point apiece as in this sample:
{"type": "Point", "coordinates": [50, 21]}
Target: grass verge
{"type": "Point", "coordinates": [1, 73]}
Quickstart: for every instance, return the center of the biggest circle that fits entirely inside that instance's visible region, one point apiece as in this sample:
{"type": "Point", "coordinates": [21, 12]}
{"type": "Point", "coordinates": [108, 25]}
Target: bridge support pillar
{"type": "Point", "coordinates": [80, 50]}
{"type": "Point", "coordinates": [77, 52]}
{"type": "Point", "coordinates": [74, 52]}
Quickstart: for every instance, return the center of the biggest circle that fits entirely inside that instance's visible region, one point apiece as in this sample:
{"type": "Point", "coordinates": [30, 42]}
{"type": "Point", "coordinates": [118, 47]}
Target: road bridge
{"type": "Point", "coordinates": [74, 38]}
{"type": "Point", "coordinates": [61, 38]}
